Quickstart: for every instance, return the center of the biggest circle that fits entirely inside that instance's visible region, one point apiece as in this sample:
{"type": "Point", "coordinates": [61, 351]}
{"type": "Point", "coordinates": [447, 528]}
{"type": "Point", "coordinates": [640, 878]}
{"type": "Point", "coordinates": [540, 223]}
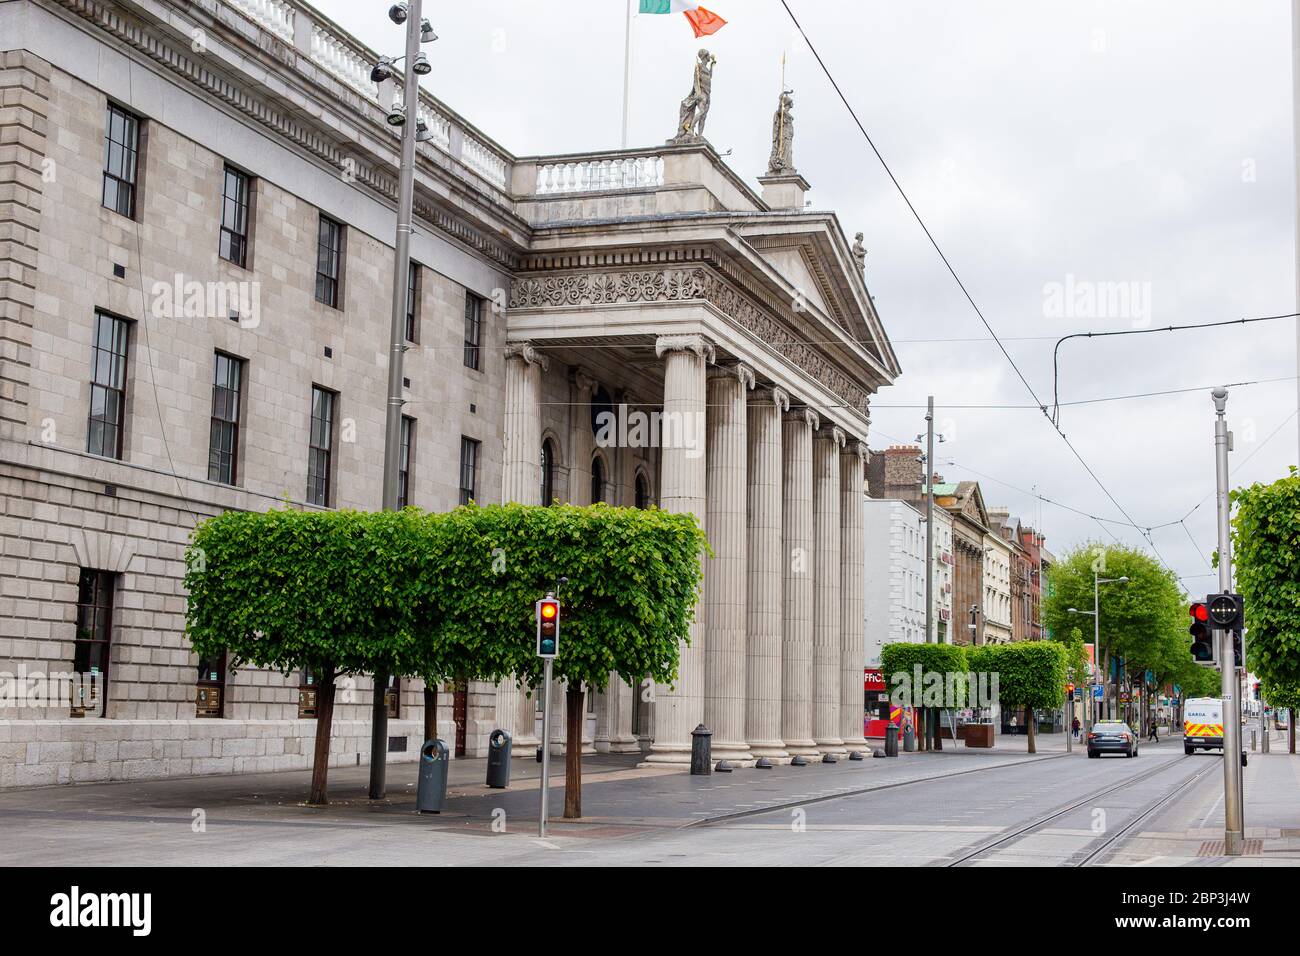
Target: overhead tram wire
{"type": "Point", "coordinates": [1056, 394]}
{"type": "Point", "coordinates": [956, 278]}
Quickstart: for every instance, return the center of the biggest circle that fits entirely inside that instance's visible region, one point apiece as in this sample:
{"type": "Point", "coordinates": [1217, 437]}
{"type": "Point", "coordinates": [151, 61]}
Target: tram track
{"type": "Point", "coordinates": [1095, 850]}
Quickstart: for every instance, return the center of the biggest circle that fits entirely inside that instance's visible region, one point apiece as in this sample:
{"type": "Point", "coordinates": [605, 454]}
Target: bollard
{"type": "Point", "coordinates": [701, 751]}
{"type": "Point", "coordinates": [1252, 741]}
{"type": "Point", "coordinates": [431, 792]}
{"type": "Point", "coordinates": [891, 740]}
{"type": "Point", "coordinates": [909, 738]}
{"type": "Point", "coordinates": [498, 764]}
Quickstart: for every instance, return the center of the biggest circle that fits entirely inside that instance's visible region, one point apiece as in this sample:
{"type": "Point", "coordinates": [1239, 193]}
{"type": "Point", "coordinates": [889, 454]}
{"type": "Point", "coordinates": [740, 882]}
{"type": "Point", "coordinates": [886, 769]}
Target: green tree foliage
{"type": "Point", "coordinates": [1144, 620]}
{"type": "Point", "coordinates": [1031, 675]}
{"type": "Point", "coordinates": [443, 596]}
{"type": "Point", "coordinates": [910, 686]}
{"type": "Point", "coordinates": [1266, 552]}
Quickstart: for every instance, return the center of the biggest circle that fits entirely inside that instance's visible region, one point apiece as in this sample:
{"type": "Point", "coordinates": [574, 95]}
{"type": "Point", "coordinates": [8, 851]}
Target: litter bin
{"type": "Point", "coordinates": [431, 793]}
{"type": "Point", "coordinates": [891, 740]}
{"type": "Point", "coordinates": [498, 772]}
{"type": "Point", "coordinates": [909, 738]}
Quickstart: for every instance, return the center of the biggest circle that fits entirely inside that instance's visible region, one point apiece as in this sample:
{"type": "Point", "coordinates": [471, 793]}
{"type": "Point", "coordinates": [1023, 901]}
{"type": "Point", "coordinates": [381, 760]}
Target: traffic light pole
{"type": "Point", "coordinates": [1233, 822]}
{"type": "Point", "coordinates": [546, 748]}
{"type": "Point", "coordinates": [930, 635]}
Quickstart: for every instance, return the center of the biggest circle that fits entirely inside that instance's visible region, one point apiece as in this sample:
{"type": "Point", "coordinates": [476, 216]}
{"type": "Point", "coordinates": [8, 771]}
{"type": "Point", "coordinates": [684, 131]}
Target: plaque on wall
{"type": "Point", "coordinates": [306, 702]}
{"type": "Point", "coordinates": [209, 702]}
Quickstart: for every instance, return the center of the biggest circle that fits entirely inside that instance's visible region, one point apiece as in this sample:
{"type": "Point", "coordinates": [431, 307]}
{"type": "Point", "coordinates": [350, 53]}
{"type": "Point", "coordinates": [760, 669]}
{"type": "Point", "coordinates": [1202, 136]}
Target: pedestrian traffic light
{"type": "Point", "coordinates": [1236, 649]}
{"type": "Point", "coordinates": [1257, 690]}
{"type": "Point", "coordinates": [1226, 611]}
{"type": "Point", "coordinates": [548, 626]}
{"type": "Point", "coordinates": [1203, 651]}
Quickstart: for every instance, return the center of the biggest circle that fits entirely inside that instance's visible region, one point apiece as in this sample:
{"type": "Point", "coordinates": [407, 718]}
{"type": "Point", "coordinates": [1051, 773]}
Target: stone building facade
{"type": "Point", "coordinates": [895, 575]}
{"type": "Point", "coordinates": [196, 223]}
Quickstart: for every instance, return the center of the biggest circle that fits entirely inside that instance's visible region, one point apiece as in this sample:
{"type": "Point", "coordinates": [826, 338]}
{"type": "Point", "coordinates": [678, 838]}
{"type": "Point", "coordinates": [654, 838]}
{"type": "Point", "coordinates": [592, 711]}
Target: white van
{"type": "Point", "coordinates": [1202, 724]}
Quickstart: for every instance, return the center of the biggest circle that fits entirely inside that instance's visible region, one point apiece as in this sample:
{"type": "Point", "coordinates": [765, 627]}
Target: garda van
{"type": "Point", "coordinates": [1202, 724]}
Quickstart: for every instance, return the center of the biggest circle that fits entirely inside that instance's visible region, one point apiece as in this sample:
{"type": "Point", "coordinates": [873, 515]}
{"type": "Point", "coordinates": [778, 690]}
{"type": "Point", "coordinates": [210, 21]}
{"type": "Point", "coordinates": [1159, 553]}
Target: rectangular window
{"type": "Point", "coordinates": [94, 640]}
{"type": "Point", "coordinates": [413, 302]}
{"type": "Point", "coordinates": [404, 462]}
{"type": "Point", "coordinates": [329, 261]}
{"type": "Point", "coordinates": [234, 217]}
{"type": "Point", "coordinates": [107, 386]}
{"type": "Point", "coordinates": [473, 330]}
{"type": "Point", "coordinates": [211, 692]}
{"type": "Point", "coordinates": [468, 469]}
{"type": "Point", "coordinates": [321, 448]}
{"type": "Point", "coordinates": [223, 443]}
{"type": "Point", "coordinates": [121, 160]}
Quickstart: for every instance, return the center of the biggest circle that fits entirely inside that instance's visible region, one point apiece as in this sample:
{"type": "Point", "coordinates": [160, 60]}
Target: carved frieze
{"type": "Point", "coordinates": [678, 285]}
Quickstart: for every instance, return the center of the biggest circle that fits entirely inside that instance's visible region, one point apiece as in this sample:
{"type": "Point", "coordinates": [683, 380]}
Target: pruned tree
{"type": "Point", "coordinates": [1031, 674]}
{"type": "Point", "coordinates": [1266, 552]}
{"type": "Point", "coordinates": [929, 677]}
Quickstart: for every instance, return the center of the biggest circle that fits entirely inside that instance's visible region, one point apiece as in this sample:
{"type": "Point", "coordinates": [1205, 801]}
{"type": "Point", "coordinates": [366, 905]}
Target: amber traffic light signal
{"type": "Point", "coordinates": [548, 627]}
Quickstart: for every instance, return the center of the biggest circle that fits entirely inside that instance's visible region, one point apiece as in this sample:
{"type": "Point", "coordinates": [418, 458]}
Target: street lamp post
{"type": "Point", "coordinates": [1089, 712]}
{"type": "Point", "coordinates": [407, 120]}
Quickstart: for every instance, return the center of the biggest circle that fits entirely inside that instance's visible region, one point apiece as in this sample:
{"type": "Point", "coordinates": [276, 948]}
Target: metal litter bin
{"type": "Point", "coordinates": [891, 740]}
{"type": "Point", "coordinates": [498, 769]}
{"type": "Point", "coordinates": [431, 792]}
{"type": "Point", "coordinates": [909, 738]}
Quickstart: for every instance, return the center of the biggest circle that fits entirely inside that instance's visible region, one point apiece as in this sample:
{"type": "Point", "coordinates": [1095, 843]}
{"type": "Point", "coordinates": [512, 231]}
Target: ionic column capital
{"type": "Point", "coordinates": [773, 394]}
{"type": "Point", "coordinates": [833, 433]}
{"type": "Point", "coordinates": [806, 415]}
{"type": "Point", "coordinates": [582, 379]}
{"type": "Point", "coordinates": [698, 344]}
{"type": "Point", "coordinates": [739, 371]}
{"type": "Point", "coordinates": [859, 448]}
{"type": "Point", "coordinates": [527, 353]}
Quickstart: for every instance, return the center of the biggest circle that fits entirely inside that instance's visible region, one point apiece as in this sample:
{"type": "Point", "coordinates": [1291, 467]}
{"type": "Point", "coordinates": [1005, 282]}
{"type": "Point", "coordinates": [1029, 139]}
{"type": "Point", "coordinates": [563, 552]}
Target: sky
{"type": "Point", "coordinates": [1096, 165]}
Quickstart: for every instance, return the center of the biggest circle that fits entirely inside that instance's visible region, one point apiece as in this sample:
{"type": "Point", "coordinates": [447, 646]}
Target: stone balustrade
{"type": "Point", "coordinates": [592, 175]}
{"type": "Point", "coordinates": [277, 16]}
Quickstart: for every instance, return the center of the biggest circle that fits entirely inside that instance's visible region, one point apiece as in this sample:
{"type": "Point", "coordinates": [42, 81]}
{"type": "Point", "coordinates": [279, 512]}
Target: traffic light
{"type": "Point", "coordinates": [1203, 652]}
{"type": "Point", "coordinates": [1226, 611]}
{"type": "Point", "coordinates": [548, 627]}
{"type": "Point", "coordinates": [1236, 649]}
{"type": "Point", "coordinates": [1069, 690]}
{"type": "Point", "coordinates": [1257, 690]}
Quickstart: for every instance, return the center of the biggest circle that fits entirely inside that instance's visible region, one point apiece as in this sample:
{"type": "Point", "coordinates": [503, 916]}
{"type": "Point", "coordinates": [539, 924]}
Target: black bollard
{"type": "Point", "coordinates": [701, 751]}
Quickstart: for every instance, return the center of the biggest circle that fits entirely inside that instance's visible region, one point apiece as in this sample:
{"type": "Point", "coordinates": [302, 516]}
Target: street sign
{"type": "Point", "coordinates": [1097, 692]}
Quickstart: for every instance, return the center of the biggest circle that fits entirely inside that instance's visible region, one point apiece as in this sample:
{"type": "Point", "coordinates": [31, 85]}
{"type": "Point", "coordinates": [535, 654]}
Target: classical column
{"type": "Point", "coordinates": [826, 583]}
{"type": "Point", "coordinates": [521, 481]}
{"type": "Point", "coordinates": [853, 631]}
{"type": "Point", "coordinates": [766, 561]}
{"type": "Point", "coordinates": [679, 707]}
{"type": "Point", "coordinates": [724, 579]}
{"type": "Point", "coordinates": [797, 605]}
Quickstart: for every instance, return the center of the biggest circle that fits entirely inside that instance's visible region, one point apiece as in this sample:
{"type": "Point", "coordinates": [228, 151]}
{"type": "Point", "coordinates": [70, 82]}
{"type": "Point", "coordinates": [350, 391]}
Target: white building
{"type": "Point", "coordinates": [997, 590]}
{"type": "Point", "coordinates": [894, 572]}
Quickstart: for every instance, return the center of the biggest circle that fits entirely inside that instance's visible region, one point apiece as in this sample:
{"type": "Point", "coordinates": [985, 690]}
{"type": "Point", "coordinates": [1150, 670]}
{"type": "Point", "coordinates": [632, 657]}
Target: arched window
{"type": "Point", "coordinates": [548, 472]}
{"type": "Point", "coordinates": [597, 479]}
{"type": "Point", "coordinates": [642, 491]}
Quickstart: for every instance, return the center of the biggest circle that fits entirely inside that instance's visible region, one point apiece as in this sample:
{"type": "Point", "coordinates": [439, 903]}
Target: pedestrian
{"type": "Point", "coordinates": [1013, 723]}
{"type": "Point", "coordinates": [1076, 726]}
{"type": "Point", "coordinates": [1154, 736]}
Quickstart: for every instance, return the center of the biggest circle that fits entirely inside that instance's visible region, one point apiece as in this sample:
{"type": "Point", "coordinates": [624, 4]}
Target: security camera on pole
{"type": "Point", "coordinates": [397, 110]}
{"type": "Point", "coordinates": [1224, 616]}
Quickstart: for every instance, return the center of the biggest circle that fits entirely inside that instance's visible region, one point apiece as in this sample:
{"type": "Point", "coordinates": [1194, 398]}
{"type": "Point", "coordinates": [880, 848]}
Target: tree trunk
{"type": "Point", "coordinates": [1031, 729]}
{"type": "Point", "coordinates": [922, 729]}
{"type": "Point", "coordinates": [573, 753]}
{"type": "Point", "coordinates": [1290, 730]}
{"type": "Point", "coordinates": [938, 729]}
{"type": "Point", "coordinates": [324, 723]}
{"type": "Point", "coordinates": [430, 712]}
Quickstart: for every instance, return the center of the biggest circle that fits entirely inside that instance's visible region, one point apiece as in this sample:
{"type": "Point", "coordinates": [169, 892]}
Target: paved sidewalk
{"type": "Point", "coordinates": [1190, 831]}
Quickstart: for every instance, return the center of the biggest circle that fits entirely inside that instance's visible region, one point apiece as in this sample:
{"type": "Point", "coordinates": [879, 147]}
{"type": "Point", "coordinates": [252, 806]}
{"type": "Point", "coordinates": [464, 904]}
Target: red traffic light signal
{"type": "Point", "coordinates": [1200, 612]}
{"type": "Point", "coordinates": [1202, 640]}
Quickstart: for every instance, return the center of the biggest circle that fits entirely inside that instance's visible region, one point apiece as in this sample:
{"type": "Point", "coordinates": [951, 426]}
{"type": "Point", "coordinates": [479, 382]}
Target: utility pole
{"type": "Point", "coordinates": [396, 352]}
{"type": "Point", "coordinates": [1233, 821]}
{"type": "Point", "coordinates": [930, 635]}
{"type": "Point", "coordinates": [627, 69]}
{"type": "Point", "coordinates": [1295, 161]}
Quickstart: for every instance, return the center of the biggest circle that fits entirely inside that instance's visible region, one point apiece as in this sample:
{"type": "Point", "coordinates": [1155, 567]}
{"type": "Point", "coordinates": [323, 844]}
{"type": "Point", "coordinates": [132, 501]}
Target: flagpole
{"type": "Point", "coordinates": [627, 64]}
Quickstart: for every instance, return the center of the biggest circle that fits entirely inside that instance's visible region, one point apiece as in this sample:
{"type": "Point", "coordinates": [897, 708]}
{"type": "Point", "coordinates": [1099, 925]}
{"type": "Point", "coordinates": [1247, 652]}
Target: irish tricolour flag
{"type": "Point", "coordinates": [702, 21]}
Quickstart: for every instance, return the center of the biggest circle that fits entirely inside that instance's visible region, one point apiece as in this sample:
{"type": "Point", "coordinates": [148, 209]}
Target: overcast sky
{"type": "Point", "coordinates": [1044, 142]}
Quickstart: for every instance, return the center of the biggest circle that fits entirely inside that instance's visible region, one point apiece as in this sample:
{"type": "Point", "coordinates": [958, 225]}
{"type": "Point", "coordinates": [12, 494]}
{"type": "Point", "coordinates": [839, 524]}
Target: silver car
{"type": "Point", "coordinates": [1112, 737]}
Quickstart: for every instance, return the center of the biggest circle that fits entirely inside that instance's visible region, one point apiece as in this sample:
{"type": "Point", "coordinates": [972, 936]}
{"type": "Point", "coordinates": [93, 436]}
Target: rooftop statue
{"type": "Point", "coordinates": [782, 158]}
{"type": "Point", "coordinates": [695, 108]}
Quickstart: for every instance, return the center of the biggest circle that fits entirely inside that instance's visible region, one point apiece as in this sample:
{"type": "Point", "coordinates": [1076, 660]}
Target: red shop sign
{"type": "Point", "coordinates": [873, 679]}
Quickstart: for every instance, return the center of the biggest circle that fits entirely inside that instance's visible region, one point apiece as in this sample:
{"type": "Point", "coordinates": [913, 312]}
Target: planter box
{"type": "Point", "coordinates": [978, 735]}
